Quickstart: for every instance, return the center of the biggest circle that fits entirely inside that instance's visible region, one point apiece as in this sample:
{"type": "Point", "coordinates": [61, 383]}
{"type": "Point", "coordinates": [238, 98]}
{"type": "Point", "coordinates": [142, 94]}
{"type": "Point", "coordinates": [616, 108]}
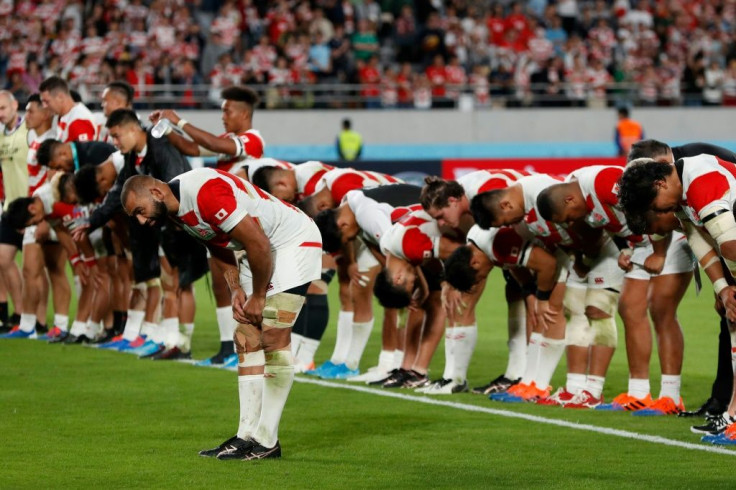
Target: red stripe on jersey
{"type": "Point", "coordinates": [606, 185]}
{"type": "Point", "coordinates": [416, 246]}
{"type": "Point", "coordinates": [728, 166]}
{"type": "Point", "coordinates": [507, 246]}
{"type": "Point", "coordinates": [346, 183]}
{"type": "Point", "coordinates": [81, 130]}
{"type": "Point", "coordinates": [493, 184]}
{"type": "Point", "coordinates": [216, 202]}
{"type": "Point", "coordinates": [311, 244]}
{"type": "Point", "coordinates": [311, 184]}
{"type": "Point", "coordinates": [706, 189]}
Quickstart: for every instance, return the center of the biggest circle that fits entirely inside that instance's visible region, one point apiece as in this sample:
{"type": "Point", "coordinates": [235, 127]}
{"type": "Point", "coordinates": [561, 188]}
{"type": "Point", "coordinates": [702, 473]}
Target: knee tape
{"type": "Point", "coordinates": [246, 335]}
{"type": "Point", "coordinates": [578, 331]}
{"type": "Point", "coordinates": [282, 310]}
{"type": "Point", "coordinates": [574, 302]}
{"type": "Point", "coordinates": [152, 283]}
{"type": "Point", "coordinates": [327, 275]}
{"type": "Point", "coordinates": [252, 359]}
{"type": "Point", "coordinates": [280, 357]}
{"type": "Point", "coordinates": [604, 332]}
{"type": "Point", "coordinates": [604, 300]}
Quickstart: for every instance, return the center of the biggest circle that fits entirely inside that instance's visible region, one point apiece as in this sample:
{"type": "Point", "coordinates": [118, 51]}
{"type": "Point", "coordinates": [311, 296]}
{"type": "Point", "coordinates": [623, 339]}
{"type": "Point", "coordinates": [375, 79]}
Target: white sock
{"type": "Point", "coordinates": [386, 360]}
{"type": "Point", "coordinates": [733, 350]}
{"type": "Point", "coordinates": [517, 341]}
{"type": "Point", "coordinates": [463, 347]}
{"type": "Point", "coordinates": [93, 329]}
{"type": "Point", "coordinates": [169, 331]}
{"type": "Point", "coordinates": [358, 340]}
{"type": "Point", "coordinates": [398, 359]}
{"type": "Point", "coordinates": [306, 351]}
{"type": "Point", "coordinates": [77, 286]}
{"type": "Point", "coordinates": [133, 324]}
{"type": "Point", "coordinates": [594, 385]}
{"type": "Point", "coordinates": [276, 388]}
{"type": "Point", "coordinates": [78, 328]}
{"type": "Point", "coordinates": [188, 329]}
{"type": "Point", "coordinates": [152, 332]}
{"type": "Point", "coordinates": [670, 387]}
{"type": "Point", "coordinates": [250, 393]}
{"type": "Point", "coordinates": [225, 323]}
{"type": "Point", "coordinates": [550, 353]}
{"type": "Point", "coordinates": [532, 358]}
{"type": "Point", "coordinates": [449, 357]}
{"type": "Point", "coordinates": [296, 343]}
{"type": "Point", "coordinates": [639, 388]}
{"type": "Point", "coordinates": [61, 321]}
{"type": "Point", "coordinates": [343, 338]}
{"type": "Point", "coordinates": [575, 383]}
{"type": "Point", "coordinates": [27, 322]}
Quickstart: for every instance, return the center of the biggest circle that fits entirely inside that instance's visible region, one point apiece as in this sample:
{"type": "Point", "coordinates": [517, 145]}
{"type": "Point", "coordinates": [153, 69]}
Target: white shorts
{"type": "Point", "coordinates": [98, 244]}
{"type": "Point", "coordinates": [292, 265]}
{"type": "Point", "coordinates": [679, 259]}
{"type": "Point", "coordinates": [29, 235]}
{"type": "Point", "coordinates": [604, 272]}
{"type": "Point", "coordinates": [364, 257]}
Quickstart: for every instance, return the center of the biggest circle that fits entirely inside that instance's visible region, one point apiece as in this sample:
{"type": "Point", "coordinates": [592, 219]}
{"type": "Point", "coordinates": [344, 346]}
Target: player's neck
{"type": "Point", "coordinates": [68, 106]}
{"type": "Point", "coordinates": [141, 142]}
{"type": "Point", "coordinates": [42, 128]}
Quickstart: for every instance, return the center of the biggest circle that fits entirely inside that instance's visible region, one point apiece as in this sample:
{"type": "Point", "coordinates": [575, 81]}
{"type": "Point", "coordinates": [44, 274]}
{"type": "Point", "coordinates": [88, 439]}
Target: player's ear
{"type": "Point", "coordinates": [157, 193]}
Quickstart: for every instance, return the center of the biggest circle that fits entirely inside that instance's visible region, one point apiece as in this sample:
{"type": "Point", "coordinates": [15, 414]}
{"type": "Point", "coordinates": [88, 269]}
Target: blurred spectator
{"type": "Point", "coordinates": [365, 42]}
{"type": "Point", "coordinates": [729, 84]}
{"type": "Point", "coordinates": [628, 132]}
{"type": "Point", "coordinates": [369, 75]}
{"type": "Point", "coordinates": [713, 84]}
{"type": "Point", "coordinates": [349, 142]}
{"type": "Point", "coordinates": [319, 57]}
{"type": "Point", "coordinates": [340, 52]}
{"type": "Point", "coordinates": [405, 33]}
{"type": "Point", "coordinates": [422, 92]}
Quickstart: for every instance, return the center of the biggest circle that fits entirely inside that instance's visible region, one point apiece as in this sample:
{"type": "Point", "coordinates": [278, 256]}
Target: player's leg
{"type": "Point", "coordinates": [33, 272]}
{"type": "Point", "coordinates": [10, 242]}
{"type": "Point", "coordinates": [415, 319]}
{"type": "Point", "coordinates": [100, 281]}
{"type": "Point", "coordinates": [344, 322]}
{"type": "Point", "coordinates": [224, 317]}
{"type": "Point", "coordinates": [55, 258]}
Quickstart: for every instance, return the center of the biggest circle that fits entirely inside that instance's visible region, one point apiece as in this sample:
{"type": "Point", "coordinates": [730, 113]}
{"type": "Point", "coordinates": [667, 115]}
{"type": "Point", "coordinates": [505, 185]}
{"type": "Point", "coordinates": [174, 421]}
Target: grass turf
{"type": "Point", "coordinates": [72, 416]}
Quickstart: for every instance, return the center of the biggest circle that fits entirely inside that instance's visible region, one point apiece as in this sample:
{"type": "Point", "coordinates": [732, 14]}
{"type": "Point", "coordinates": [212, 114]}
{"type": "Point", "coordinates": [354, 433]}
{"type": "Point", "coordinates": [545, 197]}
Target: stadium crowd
{"type": "Point", "coordinates": [390, 53]}
{"type": "Point", "coordinates": [118, 200]}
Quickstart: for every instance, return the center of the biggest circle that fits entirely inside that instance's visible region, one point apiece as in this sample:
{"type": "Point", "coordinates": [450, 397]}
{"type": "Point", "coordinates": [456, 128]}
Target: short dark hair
{"type": "Point", "coordinates": [346, 124]}
{"type": "Point", "coordinates": [548, 203]}
{"type": "Point", "coordinates": [437, 192]}
{"type": "Point", "coordinates": [34, 98]}
{"type": "Point", "coordinates": [122, 88]}
{"type": "Point", "coordinates": [45, 150]}
{"type": "Point", "coordinates": [54, 84]}
{"type": "Point", "coordinates": [483, 207]}
{"type": "Point", "coordinates": [85, 182]}
{"type": "Point", "coordinates": [262, 177]}
{"type": "Point", "coordinates": [388, 294]}
{"type": "Point", "coordinates": [623, 111]}
{"type": "Point", "coordinates": [122, 116]}
{"type": "Point", "coordinates": [326, 221]}
{"type": "Point", "coordinates": [637, 191]}
{"type": "Point", "coordinates": [17, 214]}
{"type": "Point", "coordinates": [239, 93]}
{"type": "Point", "coordinates": [62, 186]}
{"type": "Point", "coordinates": [647, 149]}
{"type": "Point", "coordinates": [458, 272]}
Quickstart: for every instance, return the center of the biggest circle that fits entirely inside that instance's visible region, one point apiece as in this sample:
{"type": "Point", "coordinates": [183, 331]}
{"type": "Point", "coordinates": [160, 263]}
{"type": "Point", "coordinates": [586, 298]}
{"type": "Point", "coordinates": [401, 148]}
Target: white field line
{"type": "Point", "coordinates": [532, 418]}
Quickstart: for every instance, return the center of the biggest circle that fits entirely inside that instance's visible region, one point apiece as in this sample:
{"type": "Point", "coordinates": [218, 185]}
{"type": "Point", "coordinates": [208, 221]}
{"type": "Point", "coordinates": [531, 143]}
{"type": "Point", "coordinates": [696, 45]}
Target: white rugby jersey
{"type": "Point", "coordinates": [415, 237]}
{"type": "Point", "coordinates": [505, 246]}
{"type": "Point", "coordinates": [708, 186]}
{"type": "Point", "coordinates": [308, 175]}
{"type": "Point", "coordinates": [248, 144]}
{"type": "Point", "coordinates": [481, 181]}
{"type": "Point", "coordinates": [76, 125]}
{"type": "Point", "coordinates": [102, 133]}
{"type": "Point", "coordinates": [549, 233]}
{"type": "Point", "coordinates": [212, 202]}
{"type": "Point", "coordinates": [599, 185]}
{"type": "Point", "coordinates": [374, 218]}
{"type": "Point", "coordinates": [36, 173]}
{"type": "Point", "coordinates": [255, 164]}
{"type": "Point", "coordinates": [340, 181]}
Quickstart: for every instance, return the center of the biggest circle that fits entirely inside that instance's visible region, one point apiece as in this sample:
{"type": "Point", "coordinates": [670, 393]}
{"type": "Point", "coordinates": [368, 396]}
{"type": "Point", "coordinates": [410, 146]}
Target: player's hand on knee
{"type": "Point", "coordinates": [728, 298]}
{"type": "Point", "coordinates": [253, 309]}
{"type": "Point", "coordinates": [238, 301]}
{"type": "Point", "coordinates": [654, 263]}
{"type": "Point", "coordinates": [531, 311]}
{"type": "Point", "coordinates": [624, 260]}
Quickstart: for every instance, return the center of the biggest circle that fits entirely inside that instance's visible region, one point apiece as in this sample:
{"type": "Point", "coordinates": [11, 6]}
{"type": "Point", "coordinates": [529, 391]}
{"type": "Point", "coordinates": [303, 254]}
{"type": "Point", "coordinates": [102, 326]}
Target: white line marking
{"type": "Point", "coordinates": [524, 416]}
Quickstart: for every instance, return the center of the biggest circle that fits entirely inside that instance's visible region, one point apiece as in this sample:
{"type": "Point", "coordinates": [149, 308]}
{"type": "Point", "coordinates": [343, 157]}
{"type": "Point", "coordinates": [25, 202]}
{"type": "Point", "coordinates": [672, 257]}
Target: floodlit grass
{"type": "Point", "coordinates": [77, 417]}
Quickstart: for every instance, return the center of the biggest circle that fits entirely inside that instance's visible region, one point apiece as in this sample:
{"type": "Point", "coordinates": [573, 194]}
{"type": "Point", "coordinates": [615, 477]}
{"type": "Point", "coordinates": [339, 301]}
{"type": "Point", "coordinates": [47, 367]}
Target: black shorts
{"type": "Point", "coordinates": [511, 285]}
{"type": "Point", "coordinates": [144, 242]}
{"type": "Point", "coordinates": [9, 236]}
{"type": "Point", "coordinates": [434, 276]}
{"type": "Point", "coordinates": [184, 252]}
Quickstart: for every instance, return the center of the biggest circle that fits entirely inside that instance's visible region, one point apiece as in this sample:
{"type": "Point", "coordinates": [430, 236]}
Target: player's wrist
{"type": "Point", "coordinates": [719, 285]}
{"type": "Point", "coordinates": [181, 123]}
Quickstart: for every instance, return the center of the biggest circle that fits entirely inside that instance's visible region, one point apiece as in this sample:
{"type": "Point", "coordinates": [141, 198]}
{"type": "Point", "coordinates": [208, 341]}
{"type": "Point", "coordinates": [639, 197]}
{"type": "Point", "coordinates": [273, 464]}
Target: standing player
{"type": "Point", "coordinates": [13, 160]}
{"type": "Point", "coordinates": [116, 95]}
{"type": "Point", "coordinates": [76, 122]}
{"type": "Point", "coordinates": [282, 256]}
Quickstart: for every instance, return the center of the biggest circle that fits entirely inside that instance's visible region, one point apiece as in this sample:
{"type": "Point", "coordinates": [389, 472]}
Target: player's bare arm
{"type": "Point", "coordinates": [200, 137]}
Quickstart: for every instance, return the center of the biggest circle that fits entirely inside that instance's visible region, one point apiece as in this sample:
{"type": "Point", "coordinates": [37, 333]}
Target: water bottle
{"type": "Point", "coordinates": [162, 128]}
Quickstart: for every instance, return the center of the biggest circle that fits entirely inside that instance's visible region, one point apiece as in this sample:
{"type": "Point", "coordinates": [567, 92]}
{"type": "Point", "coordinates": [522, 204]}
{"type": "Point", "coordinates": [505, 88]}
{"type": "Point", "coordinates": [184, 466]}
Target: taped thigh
{"type": "Point", "coordinates": [282, 310]}
{"type": "Point", "coordinates": [246, 338]}
{"type": "Point", "coordinates": [574, 301]}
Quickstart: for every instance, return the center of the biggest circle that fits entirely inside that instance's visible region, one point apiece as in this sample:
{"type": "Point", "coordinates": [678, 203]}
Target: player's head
{"type": "Point", "coordinates": [85, 183]}
{"type": "Point", "coordinates": [496, 208]}
{"type": "Point", "coordinates": [346, 124]}
{"type": "Point", "coordinates": [657, 223]}
{"type": "Point", "coordinates": [444, 200]}
{"type": "Point", "coordinates": [237, 108]}
{"type": "Point", "coordinates": [117, 95]}
{"type": "Point", "coordinates": [562, 203]}
{"type": "Point", "coordinates": [466, 267]}
{"type": "Point", "coordinates": [24, 211]}
{"type": "Point", "coordinates": [647, 185]}
{"type": "Point", "coordinates": [143, 199]}
{"type": "Point", "coordinates": [8, 108]}
{"type": "Point", "coordinates": [653, 149]}
{"type": "Point", "coordinates": [125, 129]}
{"type": "Point", "coordinates": [317, 202]}
{"type": "Point", "coordinates": [55, 155]}
{"type": "Point", "coordinates": [279, 182]}
{"type": "Point", "coordinates": [623, 112]}
{"type": "Point", "coordinates": [389, 293]}
{"type": "Point", "coordinates": [55, 95]}
{"type": "Point", "coordinates": [37, 116]}
{"type": "Point", "coordinates": [332, 233]}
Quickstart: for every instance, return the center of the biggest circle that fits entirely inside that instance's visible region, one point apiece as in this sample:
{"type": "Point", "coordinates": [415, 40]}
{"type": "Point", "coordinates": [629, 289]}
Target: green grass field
{"type": "Point", "coordinates": [77, 417]}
